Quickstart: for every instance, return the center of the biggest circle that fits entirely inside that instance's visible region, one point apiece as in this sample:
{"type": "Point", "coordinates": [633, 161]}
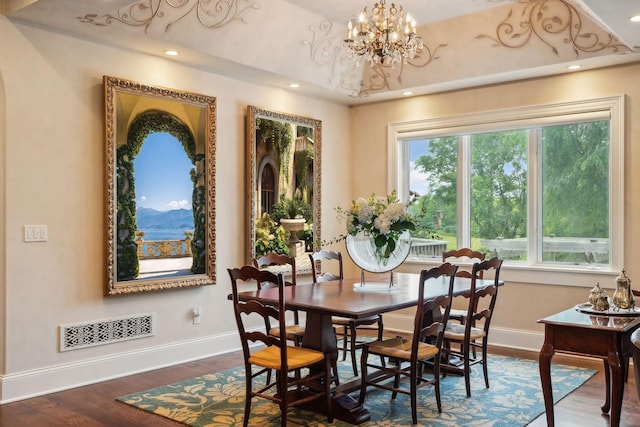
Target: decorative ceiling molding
{"type": "Point", "coordinates": [144, 13]}
{"type": "Point", "coordinates": [326, 50]}
{"type": "Point", "coordinates": [554, 22]}
{"type": "Point", "coordinates": [382, 75]}
{"type": "Point", "coordinates": [276, 42]}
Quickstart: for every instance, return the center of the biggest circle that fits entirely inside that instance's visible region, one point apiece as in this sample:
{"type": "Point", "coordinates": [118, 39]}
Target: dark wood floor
{"type": "Point", "coordinates": [95, 405]}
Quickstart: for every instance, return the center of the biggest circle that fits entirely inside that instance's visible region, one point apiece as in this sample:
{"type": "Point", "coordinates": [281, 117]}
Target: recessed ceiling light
{"type": "Point", "coordinates": [574, 67]}
{"type": "Point", "coordinates": [635, 18]}
{"type": "Point", "coordinates": [171, 52]}
{"type": "Point", "coordinates": [407, 93]}
{"type": "Point", "coordinates": [294, 85]}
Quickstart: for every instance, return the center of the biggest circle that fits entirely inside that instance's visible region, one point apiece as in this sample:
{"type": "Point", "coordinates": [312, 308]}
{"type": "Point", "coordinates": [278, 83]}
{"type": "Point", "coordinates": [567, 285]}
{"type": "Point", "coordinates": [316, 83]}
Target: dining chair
{"type": "Point", "coordinates": [295, 332]}
{"type": "Point", "coordinates": [348, 327]}
{"type": "Point", "coordinates": [464, 258]}
{"type": "Point", "coordinates": [275, 354]}
{"type": "Point", "coordinates": [474, 333]}
{"type": "Point", "coordinates": [407, 357]}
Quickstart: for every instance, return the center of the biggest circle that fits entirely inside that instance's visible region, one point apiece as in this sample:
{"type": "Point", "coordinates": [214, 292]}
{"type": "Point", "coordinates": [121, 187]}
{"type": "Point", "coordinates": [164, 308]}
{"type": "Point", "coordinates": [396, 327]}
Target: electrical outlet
{"type": "Point", "coordinates": [196, 316]}
{"type": "Point", "coordinates": [35, 233]}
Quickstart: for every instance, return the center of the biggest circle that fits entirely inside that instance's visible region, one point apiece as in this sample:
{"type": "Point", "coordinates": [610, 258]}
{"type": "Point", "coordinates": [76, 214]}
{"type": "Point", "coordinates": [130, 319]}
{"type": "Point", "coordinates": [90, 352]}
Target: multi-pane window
{"type": "Point", "coordinates": [542, 189]}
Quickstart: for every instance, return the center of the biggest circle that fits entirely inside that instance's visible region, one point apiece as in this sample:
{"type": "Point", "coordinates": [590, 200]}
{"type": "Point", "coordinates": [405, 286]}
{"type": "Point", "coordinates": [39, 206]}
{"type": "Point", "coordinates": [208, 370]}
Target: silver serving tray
{"type": "Point", "coordinates": [586, 307]}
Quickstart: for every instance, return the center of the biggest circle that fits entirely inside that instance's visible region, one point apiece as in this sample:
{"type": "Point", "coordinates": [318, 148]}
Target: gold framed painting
{"type": "Point", "coordinates": [160, 187]}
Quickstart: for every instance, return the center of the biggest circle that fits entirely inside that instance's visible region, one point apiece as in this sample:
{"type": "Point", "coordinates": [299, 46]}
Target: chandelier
{"type": "Point", "coordinates": [386, 37]}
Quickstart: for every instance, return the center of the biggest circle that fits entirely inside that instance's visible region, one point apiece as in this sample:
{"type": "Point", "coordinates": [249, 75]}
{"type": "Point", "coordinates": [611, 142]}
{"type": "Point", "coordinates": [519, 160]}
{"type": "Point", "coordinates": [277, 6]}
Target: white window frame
{"type": "Point", "coordinates": [611, 108]}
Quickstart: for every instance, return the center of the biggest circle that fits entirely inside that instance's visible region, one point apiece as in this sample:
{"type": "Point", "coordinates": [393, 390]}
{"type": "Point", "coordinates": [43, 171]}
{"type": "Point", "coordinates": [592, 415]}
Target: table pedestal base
{"type": "Point", "coordinates": [345, 408]}
{"type": "Point", "coordinates": [319, 335]}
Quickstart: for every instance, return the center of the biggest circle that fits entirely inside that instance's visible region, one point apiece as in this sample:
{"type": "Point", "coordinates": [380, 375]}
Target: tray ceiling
{"type": "Point", "coordinates": [278, 42]}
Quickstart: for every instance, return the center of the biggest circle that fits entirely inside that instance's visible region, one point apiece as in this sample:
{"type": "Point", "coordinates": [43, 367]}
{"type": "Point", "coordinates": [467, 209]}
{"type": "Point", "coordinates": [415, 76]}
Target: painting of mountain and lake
{"type": "Point", "coordinates": [164, 225]}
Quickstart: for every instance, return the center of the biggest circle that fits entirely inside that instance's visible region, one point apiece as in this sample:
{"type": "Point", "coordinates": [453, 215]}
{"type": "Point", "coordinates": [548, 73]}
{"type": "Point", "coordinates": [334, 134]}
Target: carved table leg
{"type": "Point", "coordinates": [544, 361]}
{"type": "Point", "coordinates": [617, 365]}
{"type": "Point", "coordinates": [607, 382]}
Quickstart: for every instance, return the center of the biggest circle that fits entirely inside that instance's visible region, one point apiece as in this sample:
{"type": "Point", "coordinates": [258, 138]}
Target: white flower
{"type": "Point", "coordinates": [366, 214]}
{"type": "Point", "coordinates": [382, 223]}
{"type": "Point", "coordinates": [358, 205]}
{"type": "Point", "coordinates": [395, 211]}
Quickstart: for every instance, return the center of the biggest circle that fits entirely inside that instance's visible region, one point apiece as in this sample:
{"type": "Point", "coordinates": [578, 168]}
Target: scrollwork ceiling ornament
{"type": "Point", "coordinates": [383, 74]}
{"type": "Point", "coordinates": [553, 22]}
{"type": "Point", "coordinates": [145, 13]}
{"type": "Point", "coordinates": [324, 46]}
{"type": "Point", "coordinates": [326, 49]}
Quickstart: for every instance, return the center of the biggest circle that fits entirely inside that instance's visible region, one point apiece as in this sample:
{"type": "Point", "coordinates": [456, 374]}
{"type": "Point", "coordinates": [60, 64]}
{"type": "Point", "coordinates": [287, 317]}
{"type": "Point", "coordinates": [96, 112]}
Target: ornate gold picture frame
{"type": "Point", "coordinates": [283, 163]}
{"type": "Point", "coordinates": [133, 113]}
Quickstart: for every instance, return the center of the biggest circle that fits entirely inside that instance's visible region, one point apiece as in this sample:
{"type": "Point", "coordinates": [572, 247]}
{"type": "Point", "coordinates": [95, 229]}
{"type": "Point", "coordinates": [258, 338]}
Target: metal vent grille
{"type": "Point", "coordinates": [82, 335]}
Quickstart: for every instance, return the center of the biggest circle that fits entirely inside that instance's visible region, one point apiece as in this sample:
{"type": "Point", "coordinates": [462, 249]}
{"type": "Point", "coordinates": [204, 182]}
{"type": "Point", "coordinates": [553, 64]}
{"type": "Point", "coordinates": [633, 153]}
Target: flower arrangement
{"type": "Point", "coordinates": [382, 219]}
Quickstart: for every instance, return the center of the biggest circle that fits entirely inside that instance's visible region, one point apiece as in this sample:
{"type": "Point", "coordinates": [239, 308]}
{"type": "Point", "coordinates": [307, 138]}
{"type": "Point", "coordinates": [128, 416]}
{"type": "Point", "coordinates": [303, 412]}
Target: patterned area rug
{"type": "Point", "coordinates": [514, 399]}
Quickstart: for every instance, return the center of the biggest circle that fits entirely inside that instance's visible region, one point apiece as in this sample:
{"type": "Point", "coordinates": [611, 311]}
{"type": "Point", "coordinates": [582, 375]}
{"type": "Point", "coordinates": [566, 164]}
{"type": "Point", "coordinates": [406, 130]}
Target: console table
{"type": "Point", "coordinates": [606, 337]}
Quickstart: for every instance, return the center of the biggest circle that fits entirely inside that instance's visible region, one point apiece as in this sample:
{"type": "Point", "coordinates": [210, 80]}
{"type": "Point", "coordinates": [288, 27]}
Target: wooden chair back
{"type": "Point", "coordinates": [461, 257]}
{"type": "Point", "coordinates": [274, 259]}
{"type": "Point", "coordinates": [243, 310]}
{"type": "Point", "coordinates": [318, 258]}
{"type": "Point", "coordinates": [432, 315]}
{"type": "Point", "coordinates": [478, 311]}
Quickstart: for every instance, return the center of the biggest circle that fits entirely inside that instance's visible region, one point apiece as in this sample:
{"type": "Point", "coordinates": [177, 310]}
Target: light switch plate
{"type": "Point", "coordinates": [35, 233]}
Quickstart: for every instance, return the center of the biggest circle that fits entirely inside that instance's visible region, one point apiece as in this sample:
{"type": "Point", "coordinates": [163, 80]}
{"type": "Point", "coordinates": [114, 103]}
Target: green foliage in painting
{"type": "Point", "coordinates": [270, 237]}
{"type": "Point", "coordinates": [198, 201]}
{"type": "Point", "coordinates": [291, 208]}
{"type": "Point", "coordinates": [278, 135]}
{"type": "Point", "coordinates": [127, 265]}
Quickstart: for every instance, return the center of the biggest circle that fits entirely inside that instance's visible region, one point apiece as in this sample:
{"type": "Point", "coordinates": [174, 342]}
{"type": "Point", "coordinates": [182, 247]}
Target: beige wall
{"type": "Point", "coordinates": [52, 153]}
{"type": "Point", "coordinates": [520, 304]}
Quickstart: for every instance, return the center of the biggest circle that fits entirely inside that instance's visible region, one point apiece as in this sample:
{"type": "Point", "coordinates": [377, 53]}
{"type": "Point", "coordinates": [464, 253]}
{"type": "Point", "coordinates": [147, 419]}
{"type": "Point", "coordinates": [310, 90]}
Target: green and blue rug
{"type": "Point", "coordinates": [514, 399]}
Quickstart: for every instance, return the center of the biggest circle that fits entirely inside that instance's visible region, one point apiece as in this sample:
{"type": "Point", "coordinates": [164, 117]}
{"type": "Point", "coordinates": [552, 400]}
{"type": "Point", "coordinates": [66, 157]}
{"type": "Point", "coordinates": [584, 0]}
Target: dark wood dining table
{"type": "Point", "coordinates": [607, 337]}
{"type": "Point", "coordinates": [349, 298]}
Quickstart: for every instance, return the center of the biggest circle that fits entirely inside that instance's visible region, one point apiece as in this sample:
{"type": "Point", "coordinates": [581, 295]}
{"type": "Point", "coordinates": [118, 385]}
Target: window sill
{"type": "Point", "coordinates": [565, 275]}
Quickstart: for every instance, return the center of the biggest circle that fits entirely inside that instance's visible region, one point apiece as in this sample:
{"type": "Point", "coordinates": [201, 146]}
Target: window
{"type": "Point", "coordinates": [540, 187]}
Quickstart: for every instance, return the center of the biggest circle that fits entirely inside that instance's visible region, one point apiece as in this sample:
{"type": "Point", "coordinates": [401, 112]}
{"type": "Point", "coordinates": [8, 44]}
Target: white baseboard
{"type": "Point", "coordinates": [24, 385]}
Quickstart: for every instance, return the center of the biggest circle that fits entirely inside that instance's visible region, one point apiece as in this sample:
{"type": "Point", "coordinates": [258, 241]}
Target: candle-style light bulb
{"type": "Point", "coordinates": [362, 19]}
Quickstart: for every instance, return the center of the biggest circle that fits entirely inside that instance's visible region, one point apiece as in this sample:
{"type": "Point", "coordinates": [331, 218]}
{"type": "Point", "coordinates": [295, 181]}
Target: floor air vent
{"type": "Point", "coordinates": [82, 335]}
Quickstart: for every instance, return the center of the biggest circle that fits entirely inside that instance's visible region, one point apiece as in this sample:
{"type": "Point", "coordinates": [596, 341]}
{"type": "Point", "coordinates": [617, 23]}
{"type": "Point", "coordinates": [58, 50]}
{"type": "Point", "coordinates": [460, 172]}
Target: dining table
{"type": "Point", "coordinates": [356, 299]}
